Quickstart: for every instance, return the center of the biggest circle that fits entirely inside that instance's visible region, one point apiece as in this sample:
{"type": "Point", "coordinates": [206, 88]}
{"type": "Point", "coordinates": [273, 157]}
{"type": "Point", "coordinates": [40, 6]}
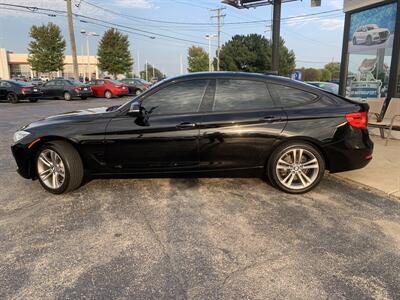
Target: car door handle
{"type": "Point", "coordinates": [272, 119]}
{"type": "Point", "coordinates": [186, 125]}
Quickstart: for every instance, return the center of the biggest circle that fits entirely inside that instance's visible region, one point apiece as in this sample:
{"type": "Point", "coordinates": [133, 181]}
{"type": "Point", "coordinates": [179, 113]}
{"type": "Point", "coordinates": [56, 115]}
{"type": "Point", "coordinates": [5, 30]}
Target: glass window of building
{"type": "Point", "coordinates": [371, 36]}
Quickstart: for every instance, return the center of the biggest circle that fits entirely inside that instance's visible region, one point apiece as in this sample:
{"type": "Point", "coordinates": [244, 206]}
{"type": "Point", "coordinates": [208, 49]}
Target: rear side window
{"type": "Point", "coordinates": [233, 94]}
{"type": "Point", "coordinates": [289, 96]}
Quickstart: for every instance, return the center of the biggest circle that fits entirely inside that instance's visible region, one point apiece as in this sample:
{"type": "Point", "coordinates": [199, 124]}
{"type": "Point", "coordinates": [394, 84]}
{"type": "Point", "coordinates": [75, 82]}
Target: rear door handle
{"type": "Point", "coordinates": [186, 125]}
{"type": "Point", "coordinates": [272, 119]}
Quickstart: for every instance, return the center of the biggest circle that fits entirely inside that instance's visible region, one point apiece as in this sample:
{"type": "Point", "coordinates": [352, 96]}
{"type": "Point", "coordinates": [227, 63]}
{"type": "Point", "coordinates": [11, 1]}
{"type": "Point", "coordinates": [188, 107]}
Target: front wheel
{"type": "Point", "coordinates": [296, 167]}
{"type": "Point", "coordinates": [59, 167]}
{"type": "Point", "coordinates": [12, 98]}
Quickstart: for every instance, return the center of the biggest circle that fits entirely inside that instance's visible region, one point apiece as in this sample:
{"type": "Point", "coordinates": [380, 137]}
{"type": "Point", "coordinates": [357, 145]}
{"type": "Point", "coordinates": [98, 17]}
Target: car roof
{"type": "Point", "coordinates": [241, 75]}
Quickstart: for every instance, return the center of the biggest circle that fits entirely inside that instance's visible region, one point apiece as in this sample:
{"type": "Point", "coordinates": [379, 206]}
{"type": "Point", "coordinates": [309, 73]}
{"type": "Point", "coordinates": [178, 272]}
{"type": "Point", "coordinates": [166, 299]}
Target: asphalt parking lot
{"type": "Point", "coordinates": [187, 238]}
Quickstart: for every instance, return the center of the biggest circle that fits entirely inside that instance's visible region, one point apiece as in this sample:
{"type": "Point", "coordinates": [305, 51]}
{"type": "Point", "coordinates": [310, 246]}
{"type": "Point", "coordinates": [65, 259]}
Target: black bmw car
{"type": "Point", "coordinates": [136, 86]}
{"type": "Point", "coordinates": [13, 91]}
{"type": "Point", "coordinates": [66, 89]}
{"type": "Point", "coordinates": [209, 124]}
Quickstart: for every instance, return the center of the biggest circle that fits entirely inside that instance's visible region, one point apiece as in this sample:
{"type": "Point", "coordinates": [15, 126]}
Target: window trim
{"type": "Point", "coordinates": [278, 100]}
{"type": "Point", "coordinates": [241, 110]}
{"type": "Point", "coordinates": [174, 82]}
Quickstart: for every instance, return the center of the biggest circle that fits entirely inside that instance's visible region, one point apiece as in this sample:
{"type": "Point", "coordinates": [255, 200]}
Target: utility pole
{"type": "Point", "coordinates": [219, 16]}
{"type": "Point", "coordinates": [72, 39]}
{"type": "Point", "coordinates": [276, 29]}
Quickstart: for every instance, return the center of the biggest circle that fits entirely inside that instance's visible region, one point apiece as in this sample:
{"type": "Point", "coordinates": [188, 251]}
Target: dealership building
{"type": "Point", "coordinates": [16, 64]}
{"type": "Point", "coordinates": [371, 48]}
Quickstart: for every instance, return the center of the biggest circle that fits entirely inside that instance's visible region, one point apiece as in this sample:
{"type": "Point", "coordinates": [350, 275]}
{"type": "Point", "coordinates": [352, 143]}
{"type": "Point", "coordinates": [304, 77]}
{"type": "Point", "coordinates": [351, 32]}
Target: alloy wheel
{"type": "Point", "coordinates": [51, 169]}
{"type": "Point", "coordinates": [13, 98]}
{"type": "Point", "coordinates": [297, 168]}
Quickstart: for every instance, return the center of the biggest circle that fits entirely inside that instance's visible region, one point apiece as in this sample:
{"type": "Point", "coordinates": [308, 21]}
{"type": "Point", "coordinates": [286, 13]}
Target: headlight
{"type": "Point", "coordinates": [19, 135]}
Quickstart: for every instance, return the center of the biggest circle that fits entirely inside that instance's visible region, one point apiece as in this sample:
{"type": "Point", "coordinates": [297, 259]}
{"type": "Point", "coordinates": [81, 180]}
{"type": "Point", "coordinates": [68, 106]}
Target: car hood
{"type": "Point", "coordinates": [378, 30]}
{"type": "Point", "coordinates": [74, 116]}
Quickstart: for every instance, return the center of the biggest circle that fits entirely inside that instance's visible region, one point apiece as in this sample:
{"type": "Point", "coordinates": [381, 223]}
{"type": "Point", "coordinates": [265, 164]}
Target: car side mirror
{"type": "Point", "coordinates": [135, 109]}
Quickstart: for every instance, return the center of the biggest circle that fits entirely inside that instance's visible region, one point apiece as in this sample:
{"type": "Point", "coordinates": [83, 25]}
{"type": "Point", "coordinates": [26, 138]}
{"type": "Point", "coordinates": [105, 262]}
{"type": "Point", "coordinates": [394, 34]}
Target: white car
{"type": "Point", "coordinates": [370, 34]}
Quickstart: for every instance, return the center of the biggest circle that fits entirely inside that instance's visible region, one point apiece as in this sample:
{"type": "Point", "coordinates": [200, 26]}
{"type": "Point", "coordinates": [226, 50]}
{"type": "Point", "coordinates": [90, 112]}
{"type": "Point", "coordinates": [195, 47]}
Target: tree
{"type": "Point", "coordinates": [311, 74]}
{"type": "Point", "coordinates": [197, 59]}
{"type": "Point", "coordinates": [325, 75]}
{"type": "Point", "coordinates": [113, 52]}
{"type": "Point", "coordinates": [157, 73]}
{"type": "Point", "coordinates": [46, 49]}
{"type": "Point", "coordinates": [334, 68]}
{"type": "Point", "coordinates": [253, 53]}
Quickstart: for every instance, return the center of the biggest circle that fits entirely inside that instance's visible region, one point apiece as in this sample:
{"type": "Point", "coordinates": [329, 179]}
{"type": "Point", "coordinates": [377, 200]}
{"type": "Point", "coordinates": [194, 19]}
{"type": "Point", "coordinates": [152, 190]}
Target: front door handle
{"type": "Point", "coordinates": [186, 125]}
{"type": "Point", "coordinates": [272, 119]}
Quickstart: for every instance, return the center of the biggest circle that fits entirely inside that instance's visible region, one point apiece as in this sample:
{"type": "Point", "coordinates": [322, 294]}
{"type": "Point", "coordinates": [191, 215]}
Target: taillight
{"type": "Point", "coordinates": [358, 119]}
{"type": "Point", "coordinates": [25, 90]}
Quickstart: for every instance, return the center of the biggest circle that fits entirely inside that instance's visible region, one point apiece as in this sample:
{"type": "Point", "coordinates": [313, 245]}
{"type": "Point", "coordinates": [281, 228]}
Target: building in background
{"type": "Point", "coordinates": [16, 65]}
{"type": "Point", "coordinates": [370, 57]}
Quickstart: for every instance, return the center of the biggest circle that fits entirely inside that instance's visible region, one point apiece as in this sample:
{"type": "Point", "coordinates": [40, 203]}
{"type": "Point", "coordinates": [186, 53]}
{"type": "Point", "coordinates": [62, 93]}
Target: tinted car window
{"type": "Point", "coordinates": [75, 82]}
{"type": "Point", "coordinates": [182, 97]}
{"type": "Point", "coordinates": [232, 94]}
{"type": "Point", "coordinates": [289, 96]}
{"type": "Point", "coordinates": [5, 84]}
{"type": "Point", "coordinates": [59, 83]}
{"type": "Point", "coordinates": [99, 82]}
{"type": "Point", "coordinates": [50, 83]}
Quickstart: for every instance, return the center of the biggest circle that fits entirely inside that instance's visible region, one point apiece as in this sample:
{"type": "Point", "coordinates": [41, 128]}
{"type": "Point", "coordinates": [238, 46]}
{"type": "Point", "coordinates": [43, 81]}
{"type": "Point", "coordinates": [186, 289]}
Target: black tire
{"type": "Point", "coordinates": [138, 92]}
{"type": "Point", "coordinates": [67, 96]}
{"type": "Point", "coordinates": [272, 171]}
{"type": "Point", "coordinates": [83, 97]}
{"type": "Point", "coordinates": [108, 94]}
{"type": "Point", "coordinates": [33, 100]}
{"type": "Point", "coordinates": [12, 97]}
{"type": "Point", "coordinates": [73, 166]}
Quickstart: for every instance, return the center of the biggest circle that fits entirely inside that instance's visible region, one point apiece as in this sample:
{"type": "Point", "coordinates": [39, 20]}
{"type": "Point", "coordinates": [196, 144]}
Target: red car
{"type": "Point", "coordinates": [108, 88]}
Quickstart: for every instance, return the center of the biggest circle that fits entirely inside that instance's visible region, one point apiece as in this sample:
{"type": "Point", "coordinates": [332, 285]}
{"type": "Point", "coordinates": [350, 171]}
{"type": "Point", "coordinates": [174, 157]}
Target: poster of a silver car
{"type": "Point", "coordinates": [370, 34]}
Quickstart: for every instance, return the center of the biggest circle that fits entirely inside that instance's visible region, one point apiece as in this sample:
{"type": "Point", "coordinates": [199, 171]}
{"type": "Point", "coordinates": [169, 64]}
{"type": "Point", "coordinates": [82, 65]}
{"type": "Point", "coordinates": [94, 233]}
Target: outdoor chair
{"type": "Point", "coordinates": [390, 122]}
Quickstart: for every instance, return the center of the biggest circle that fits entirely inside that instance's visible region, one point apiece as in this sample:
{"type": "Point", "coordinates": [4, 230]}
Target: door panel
{"type": "Point", "coordinates": [164, 143]}
{"type": "Point", "coordinates": [239, 140]}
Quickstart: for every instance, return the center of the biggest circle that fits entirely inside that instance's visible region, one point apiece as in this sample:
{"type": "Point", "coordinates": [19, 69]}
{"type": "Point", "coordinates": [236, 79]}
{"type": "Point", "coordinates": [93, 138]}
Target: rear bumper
{"type": "Point", "coordinates": [352, 152]}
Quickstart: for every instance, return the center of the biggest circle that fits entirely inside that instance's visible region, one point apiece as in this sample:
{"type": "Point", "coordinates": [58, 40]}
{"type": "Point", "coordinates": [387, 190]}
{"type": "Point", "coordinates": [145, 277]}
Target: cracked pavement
{"type": "Point", "coordinates": [189, 238]}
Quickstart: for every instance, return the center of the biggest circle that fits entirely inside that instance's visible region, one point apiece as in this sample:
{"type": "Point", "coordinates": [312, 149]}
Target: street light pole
{"type": "Point", "coordinates": [209, 37]}
{"type": "Point", "coordinates": [88, 34]}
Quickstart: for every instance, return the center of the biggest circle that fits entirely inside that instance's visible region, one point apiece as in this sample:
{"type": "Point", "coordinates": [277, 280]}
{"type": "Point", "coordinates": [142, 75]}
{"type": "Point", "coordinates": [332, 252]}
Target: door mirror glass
{"type": "Point", "coordinates": [134, 109]}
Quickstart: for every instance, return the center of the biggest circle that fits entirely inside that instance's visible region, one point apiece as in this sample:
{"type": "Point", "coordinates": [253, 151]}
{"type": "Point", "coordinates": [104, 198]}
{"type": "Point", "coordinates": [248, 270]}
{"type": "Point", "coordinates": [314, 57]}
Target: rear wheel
{"type": "Point", "coordinates": [296, 167]}
{"type": "Point", "coordinates": [67, 96]}
{"type": "Point", "coordinates": [12, 97]}
{"type": "Point", "coordinates": [59, 167]}
{"type": "Point", "coordinates": [138, 92]}
{"type": "Point", "coordinates": [108, 94]}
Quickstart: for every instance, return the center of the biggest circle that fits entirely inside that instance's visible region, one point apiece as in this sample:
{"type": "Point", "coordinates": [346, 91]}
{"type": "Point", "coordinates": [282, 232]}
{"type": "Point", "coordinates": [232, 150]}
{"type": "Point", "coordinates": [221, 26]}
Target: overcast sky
{"type": "Point", "coordinates": [316, 40]}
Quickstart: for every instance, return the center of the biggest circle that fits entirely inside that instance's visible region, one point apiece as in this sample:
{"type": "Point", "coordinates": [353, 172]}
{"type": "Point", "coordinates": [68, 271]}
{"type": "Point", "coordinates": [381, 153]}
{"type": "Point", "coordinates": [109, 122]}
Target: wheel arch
{"type": "Point", "coordinates": [304, 139]}
{"type": "Point", "coordinates": [44, 140]}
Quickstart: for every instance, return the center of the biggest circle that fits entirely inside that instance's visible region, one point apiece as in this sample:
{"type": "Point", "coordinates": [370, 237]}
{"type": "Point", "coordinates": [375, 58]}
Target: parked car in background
{"type": "Point", "coordinates": [108, 88]}
{"type": "Point", "coordinates": [19, 78]}
{"type": "Point", "coordinates": [136, 86]}
{"type": "Point", "coordinates": [66, 89]}
{"type": "Point", "coordinates": [327, 86]}
{"type": "Point", "coordinates": [213, 124]}
{"type": "Point", "coordinates": [13, 91]}
{"type": "Point", "coordinates": [370, 34]}
{"type": "Point", "coordinates": [37, 81]}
